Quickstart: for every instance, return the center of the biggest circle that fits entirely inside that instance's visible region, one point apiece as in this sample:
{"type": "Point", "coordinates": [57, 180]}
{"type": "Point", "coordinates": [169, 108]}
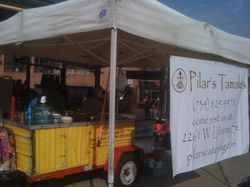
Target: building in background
{"type": "Point", "coordinates": [78, 79]}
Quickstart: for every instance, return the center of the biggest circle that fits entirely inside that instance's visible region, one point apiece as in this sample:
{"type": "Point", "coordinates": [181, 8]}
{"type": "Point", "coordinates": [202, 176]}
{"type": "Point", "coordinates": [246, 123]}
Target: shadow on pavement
{"type": "Point", "coordinates": [165, 180]}
{"type": "Point", "coordinates": [144, 180]}
{"type": "Point", "coordinates": [70, 179]}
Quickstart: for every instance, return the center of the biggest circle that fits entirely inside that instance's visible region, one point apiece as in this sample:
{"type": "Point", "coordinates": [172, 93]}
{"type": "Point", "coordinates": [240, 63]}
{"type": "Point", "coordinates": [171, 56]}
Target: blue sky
{"type": "Point", "coordinates": [232, 16]}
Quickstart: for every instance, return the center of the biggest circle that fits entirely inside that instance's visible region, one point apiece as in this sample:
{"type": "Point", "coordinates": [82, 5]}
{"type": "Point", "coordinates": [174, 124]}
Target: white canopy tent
{"type": "Point", "coordinates": [79, 31]}
{"type": "Point", "coordinates": [133, 33]}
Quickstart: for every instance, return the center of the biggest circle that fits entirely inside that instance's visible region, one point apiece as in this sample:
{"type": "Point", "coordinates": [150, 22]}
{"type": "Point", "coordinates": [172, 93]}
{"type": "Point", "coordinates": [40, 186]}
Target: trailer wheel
{"type": "Point", "coordinates": [128, 170]}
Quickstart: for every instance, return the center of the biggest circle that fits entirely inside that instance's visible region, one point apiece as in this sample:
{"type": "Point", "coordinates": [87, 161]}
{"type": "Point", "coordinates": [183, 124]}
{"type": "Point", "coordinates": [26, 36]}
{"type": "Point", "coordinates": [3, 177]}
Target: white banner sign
{"type": "Point", "coordinates": [208, 112]}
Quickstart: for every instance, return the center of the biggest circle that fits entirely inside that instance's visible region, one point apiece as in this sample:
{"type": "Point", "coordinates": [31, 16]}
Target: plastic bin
{"type": "Point", "coordinates": [14, 178]}
{"type": "Point", "coordinates": [144, 131]}
{"type": "Point", "coordinates": [144, 128]}
{"type": "Point", "coordinates": [146, 143]}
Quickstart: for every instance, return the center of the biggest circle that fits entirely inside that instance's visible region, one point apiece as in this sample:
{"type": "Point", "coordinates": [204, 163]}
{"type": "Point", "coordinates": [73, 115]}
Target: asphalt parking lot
{"type": "Point", "coordinates": [227, 173]}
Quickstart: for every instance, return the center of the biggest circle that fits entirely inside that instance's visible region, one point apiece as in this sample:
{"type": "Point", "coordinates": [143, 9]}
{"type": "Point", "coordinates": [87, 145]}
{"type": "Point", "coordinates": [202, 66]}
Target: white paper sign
{"type": "Point", "coordinates": [208, 112]}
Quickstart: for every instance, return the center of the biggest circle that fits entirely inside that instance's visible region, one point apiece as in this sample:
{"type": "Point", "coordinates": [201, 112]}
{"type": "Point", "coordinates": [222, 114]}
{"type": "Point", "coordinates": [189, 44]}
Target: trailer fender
{"type": "Point", "coordinates": [121, 150]}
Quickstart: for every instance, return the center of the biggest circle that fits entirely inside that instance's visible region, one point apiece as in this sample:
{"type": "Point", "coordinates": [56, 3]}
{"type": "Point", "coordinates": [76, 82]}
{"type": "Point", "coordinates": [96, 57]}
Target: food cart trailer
{"type": "Point", "coordinates": [46, 151]}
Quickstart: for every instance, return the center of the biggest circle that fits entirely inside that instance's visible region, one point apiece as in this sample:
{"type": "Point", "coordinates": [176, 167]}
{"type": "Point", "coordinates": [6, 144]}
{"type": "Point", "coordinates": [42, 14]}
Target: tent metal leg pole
{"type": "Point", "coordinates": [112, 106]}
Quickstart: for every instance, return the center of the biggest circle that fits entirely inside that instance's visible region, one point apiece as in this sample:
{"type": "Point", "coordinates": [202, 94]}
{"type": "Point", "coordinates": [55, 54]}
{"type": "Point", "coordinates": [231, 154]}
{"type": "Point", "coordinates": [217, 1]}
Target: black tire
{"type": "Point", "coordinates": [128, 169]}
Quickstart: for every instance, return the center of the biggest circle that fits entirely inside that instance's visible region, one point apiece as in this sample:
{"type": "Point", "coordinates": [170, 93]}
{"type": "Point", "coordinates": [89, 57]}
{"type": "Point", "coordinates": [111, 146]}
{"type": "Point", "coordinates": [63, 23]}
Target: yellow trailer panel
{"type": "Point", "coordinates": [124, 135]}
{"type": "Point", "coordinates": [49, 148]}
{"type": "Point", "coordinates": [61, 148]}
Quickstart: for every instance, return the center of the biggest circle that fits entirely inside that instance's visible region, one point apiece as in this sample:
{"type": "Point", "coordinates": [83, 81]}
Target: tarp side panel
{"type": "Point", "coordinates": [153, 20]}
{"type": "Point", "coordinates": [74, 16]}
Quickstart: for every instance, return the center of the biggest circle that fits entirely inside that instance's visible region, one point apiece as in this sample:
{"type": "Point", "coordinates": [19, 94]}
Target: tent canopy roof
{"type": "Point", "coordinates": [148, 33]}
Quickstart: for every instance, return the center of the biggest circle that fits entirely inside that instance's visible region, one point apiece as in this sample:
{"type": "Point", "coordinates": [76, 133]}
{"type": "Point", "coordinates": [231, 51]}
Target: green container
{"type": "Point", "coordinates": [42, 115]}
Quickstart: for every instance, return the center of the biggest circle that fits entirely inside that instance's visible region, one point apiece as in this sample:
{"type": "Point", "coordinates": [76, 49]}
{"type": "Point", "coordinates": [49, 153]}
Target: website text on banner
{"type": "Point", "coordinates": [208, 112]}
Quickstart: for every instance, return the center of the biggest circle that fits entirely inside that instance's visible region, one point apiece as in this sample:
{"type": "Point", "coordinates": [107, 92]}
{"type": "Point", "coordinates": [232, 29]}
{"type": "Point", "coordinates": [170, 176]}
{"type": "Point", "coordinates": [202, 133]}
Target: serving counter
{"type": "Point", "coordinates": [47, 148]}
